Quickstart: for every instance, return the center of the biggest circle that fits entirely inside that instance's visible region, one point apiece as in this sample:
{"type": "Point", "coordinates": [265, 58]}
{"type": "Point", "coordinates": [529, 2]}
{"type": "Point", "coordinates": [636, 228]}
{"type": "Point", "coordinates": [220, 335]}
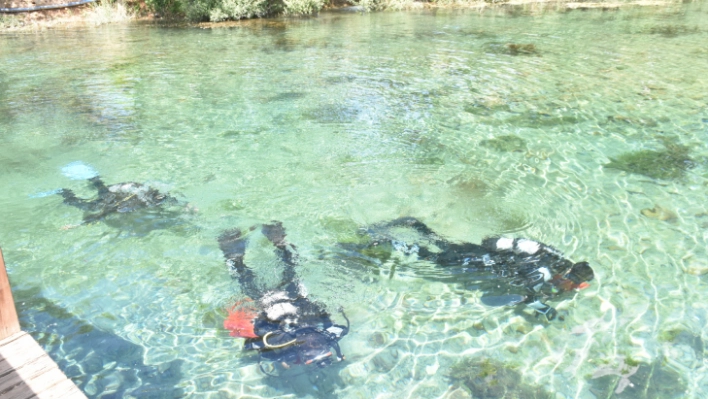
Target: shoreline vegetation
{"type": "Point", "coordinates": [231, 13]}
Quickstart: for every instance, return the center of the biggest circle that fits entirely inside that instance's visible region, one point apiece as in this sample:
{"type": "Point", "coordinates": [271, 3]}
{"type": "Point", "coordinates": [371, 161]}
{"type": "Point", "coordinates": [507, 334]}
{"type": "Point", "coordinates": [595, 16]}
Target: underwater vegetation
{"type": "Point", "coordinates": [512, 48]}
{"type": "Point", "coordinates": [632, 380]}
{"type": "Point", "coordinates": [490, 107]}
{"type": "Point", "coordinates": [505, 143]}
{"type": "Point", "coordinates": [487, 106]}
{"type": "Point", "coordinates": [517, 49]}
{"type": "Point", "coordinates": [333, 113]}
{"type": "Point", "coordinates": [670, 163]}
{"type": "Point", "coordinates": [487, 378]}
{"type": "Point", "coordinates": [286, 96]}
{"type": "Point", "coordinates": [672, 30]}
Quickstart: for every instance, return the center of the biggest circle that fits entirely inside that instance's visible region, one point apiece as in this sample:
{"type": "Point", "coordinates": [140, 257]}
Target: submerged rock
{"type": "Point", "coordinates": [670, 163]}
{"type": "Point", "coordinates": [512, 48]}
{"type": "Point", "coordinates": [488, 378]}
{"type": "Point", "coordinates": [659, 213]}
{"type": "Point", "coordinates": [505, 143]}
{"type": "Point", "coordinates": [637, 380]}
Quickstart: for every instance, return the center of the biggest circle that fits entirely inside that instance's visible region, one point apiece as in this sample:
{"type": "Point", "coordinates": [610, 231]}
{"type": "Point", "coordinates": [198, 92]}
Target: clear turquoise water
{"type": "Point", "coordinates": [336, 122]}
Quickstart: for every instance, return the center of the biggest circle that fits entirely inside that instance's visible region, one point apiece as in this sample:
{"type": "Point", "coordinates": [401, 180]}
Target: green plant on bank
{"type": "Point", "coordinates": [166, 8]}
{"type": "Point", "coordinates": [221, 10]}
{"type": "Point", "coordinates": [10, 22]}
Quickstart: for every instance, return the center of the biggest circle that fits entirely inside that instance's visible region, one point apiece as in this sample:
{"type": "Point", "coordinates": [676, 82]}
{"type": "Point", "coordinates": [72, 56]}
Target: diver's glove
{"type": "Point", "coordinates": [542, 308]}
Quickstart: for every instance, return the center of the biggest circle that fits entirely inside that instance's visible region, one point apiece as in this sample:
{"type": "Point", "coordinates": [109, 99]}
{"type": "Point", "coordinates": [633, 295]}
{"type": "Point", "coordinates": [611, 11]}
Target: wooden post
{"type": "Point", "coordinates": [9, 323]}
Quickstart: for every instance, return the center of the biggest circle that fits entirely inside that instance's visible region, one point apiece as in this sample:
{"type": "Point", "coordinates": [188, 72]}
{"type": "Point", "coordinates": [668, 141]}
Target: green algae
{"type": "Point", "coordinates": [670, 163]}
{"type": "Point", "coordinates": [505, 143]}
{"type": "Point", "coordinates": [488, 378]}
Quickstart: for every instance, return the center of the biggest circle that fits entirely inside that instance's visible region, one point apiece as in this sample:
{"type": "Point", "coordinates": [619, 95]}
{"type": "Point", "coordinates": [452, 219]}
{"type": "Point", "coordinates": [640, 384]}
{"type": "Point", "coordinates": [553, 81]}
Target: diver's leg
{"type": "Point", "coordinates": [422, 228]}
{"type": "Point", "coordinates": [411, 222]}
{"type": "Point", "coordinates": [287, 252]}
{"type": "Point", "coordinates": [233, 246]}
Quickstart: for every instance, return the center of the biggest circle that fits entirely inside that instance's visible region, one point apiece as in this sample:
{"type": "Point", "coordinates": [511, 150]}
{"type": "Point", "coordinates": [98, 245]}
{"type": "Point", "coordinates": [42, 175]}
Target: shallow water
{"type": "Point", "coordinates": [478, 123]}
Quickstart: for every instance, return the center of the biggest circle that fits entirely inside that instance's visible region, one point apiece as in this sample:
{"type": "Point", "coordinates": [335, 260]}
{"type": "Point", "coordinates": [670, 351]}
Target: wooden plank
{"type": "Point", "coordinates": [30, 388]}
{"type": "Point", "coordinates": [27, 372]}
{"type": "Point", "coordinates": [9, 323]}
{"type": "Point", "coordinates": [19, 346]}
{"type": "Point", "coordinates": [37, 373]}
{"type": "Point", "coordinates": [18, 350]}
{"type": "Point", "coordinates": [63, 390]}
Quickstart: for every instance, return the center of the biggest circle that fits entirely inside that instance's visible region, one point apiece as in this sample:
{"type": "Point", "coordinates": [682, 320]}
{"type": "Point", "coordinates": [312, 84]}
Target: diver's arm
{"type": "Point", "coordinates": [287, 252]}
{"type": "Point", "coordinates": [71, 199]}
{"type": "Point", "coordinates": [422, 228]}
{"type": "Point", "coordinates": [233, 246]}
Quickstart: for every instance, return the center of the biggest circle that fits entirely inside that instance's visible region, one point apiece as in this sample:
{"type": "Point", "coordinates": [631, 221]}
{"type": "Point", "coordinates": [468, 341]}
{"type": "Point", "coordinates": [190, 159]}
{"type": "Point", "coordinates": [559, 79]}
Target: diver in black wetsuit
{"type": "Point", "coordinates": [285, 327]}
{"type": "Point", "coordinates": [116, 198]}
{"type": "Point", "coordinates": [509, 271]}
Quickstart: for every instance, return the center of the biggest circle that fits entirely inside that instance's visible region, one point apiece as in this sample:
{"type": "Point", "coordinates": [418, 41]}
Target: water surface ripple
{"type": "Point", "coordinates": [478, 123]}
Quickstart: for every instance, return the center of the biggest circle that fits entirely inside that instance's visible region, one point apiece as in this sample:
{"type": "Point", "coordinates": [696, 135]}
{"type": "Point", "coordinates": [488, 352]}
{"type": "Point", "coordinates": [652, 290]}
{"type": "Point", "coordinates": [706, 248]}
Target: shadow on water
{"type": "Point", "coordinates": [101, 364]}
{"type": "Point", "coordinates": [312, 382]}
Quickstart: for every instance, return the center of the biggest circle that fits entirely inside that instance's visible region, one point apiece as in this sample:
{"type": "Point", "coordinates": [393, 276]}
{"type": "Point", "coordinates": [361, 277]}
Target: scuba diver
{"type": "Point", "coordinates": [509, 271]}
{"type": "Point", "coordinates": [281, 324]}
{"type": "Point", "coordinates": [146, 203]}
{"type": "Point", "coordinates": [116, 198]}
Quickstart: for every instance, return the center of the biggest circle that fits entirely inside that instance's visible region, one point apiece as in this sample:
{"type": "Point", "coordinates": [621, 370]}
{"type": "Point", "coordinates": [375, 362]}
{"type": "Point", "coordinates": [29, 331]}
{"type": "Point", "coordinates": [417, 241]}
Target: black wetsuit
{"type": "Point", "coordinates": [116, 198]}
{"type": "Point", "coordinates": [285, 315]}
{"type": "Point", "coordinates": [508, 271]}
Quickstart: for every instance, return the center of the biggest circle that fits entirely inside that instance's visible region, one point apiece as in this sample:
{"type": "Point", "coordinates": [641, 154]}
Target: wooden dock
{"type": "Point", "coordinates": [26, 371]}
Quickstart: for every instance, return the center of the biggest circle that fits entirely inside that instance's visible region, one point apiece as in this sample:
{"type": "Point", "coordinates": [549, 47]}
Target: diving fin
{"type": "Point", "coordinates": [78, 170]}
